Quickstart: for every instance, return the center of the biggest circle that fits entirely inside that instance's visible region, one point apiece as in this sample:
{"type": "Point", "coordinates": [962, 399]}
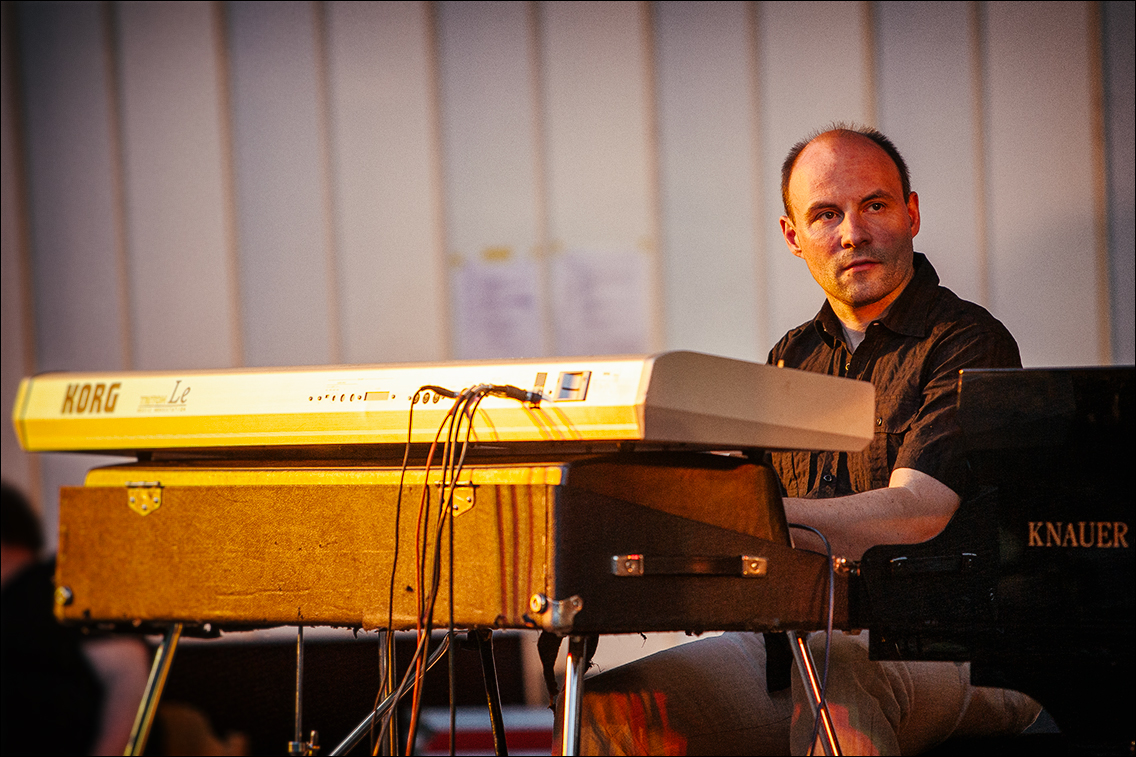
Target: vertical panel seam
{"type": "Point", "coordinates": [228, 182]}
{"type": "Point", "coordinates": [331, 257]}
{"type": "Point", "coordinates": [1093, 20]}
{"type": "Point", "coordinates": [762, 336]}
{"type": "Point", "coordinates": [441, 256]}
{"type": "Point", "coordinates": [112, 59]}
{"type": "Point", "coordinates": [540, 174]}
{"type": "Point", "coordinates": [871, 63]}
{"type": "Point", "coordinates": [553, 243]}
{"type": "Point", "coordinates": [656, 338]}
{"type": "Point", "coordinates": [21, 203]}
{"type": "Point", "coordinates": [20, 200]}
{"type": "Point", "coordinates": [980, 84]}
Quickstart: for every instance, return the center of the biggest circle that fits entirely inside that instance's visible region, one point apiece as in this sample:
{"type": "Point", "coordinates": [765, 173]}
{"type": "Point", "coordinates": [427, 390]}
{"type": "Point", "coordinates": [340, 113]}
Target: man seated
{"type": "Point", "coordinates": [851, 216]}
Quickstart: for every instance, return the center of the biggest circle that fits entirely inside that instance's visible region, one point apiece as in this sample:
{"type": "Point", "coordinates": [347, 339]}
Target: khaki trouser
{"type": "Point", "coordinates": [709, 697]}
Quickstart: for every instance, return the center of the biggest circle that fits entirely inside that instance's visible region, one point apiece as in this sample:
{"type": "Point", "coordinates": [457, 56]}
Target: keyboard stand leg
{"type": "Point", "coordinates": [573, 694]}
{"type": "Point", "coordinates": [807, 669]}
{"type": "Point", "coordinates": [298, 746]}
{"type": "Point", "coordinates": [144, 720]}
{"type": "Point", "coordinates": [484, 639]}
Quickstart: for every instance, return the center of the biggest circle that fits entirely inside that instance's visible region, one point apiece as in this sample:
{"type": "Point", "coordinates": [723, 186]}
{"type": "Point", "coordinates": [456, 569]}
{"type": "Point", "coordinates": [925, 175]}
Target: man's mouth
{"type": "Point", "coordinates": [857, 266]}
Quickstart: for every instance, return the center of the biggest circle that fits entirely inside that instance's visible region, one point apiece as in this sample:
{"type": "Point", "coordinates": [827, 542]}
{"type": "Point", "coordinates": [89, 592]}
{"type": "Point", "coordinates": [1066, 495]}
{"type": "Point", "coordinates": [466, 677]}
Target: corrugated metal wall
{"type": "Point", "coordinates": [199, 185]}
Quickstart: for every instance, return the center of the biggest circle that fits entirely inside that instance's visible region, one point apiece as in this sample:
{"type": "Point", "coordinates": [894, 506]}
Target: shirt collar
{"type": "Point", "coordinates": [907, 315]}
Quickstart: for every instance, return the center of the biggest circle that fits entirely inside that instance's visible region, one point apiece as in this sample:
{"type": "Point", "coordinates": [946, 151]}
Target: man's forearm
{"type": "Point", "coordinates": [913, 508]}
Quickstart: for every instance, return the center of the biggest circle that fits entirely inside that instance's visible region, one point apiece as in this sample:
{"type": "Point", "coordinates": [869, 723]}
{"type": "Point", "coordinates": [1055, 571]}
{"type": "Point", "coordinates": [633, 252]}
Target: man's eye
{"type": "Point", "coordinates": [827, 215]}
{"type": "Point", "coordinates": [877, 206]}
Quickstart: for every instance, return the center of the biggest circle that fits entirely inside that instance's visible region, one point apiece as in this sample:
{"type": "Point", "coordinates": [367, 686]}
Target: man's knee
{"type": "Point", "coordinates": [997, 712]}
{"type": "Point", "coordinates": [705, 697]}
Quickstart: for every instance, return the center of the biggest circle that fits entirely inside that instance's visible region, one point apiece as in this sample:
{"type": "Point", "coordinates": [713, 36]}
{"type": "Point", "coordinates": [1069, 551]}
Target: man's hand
{"type": "Point", "coordinates": [913, 508]}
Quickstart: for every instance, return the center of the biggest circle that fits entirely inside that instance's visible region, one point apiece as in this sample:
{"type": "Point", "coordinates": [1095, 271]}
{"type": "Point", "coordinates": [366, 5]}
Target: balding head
{"type": "Point", "coordinates": [850, 218]}
{"type": "Point", "coordinates": [840, 130]}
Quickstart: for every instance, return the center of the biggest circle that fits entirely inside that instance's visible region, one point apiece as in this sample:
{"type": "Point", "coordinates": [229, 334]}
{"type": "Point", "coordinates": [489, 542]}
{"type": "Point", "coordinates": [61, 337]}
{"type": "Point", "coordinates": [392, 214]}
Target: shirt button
{"type": "Point", "coordinates": [827, 478]}
{"type": "Point", "coordinates": [879, 421]}
{"type": "Point", "coordinates": [848, 366]}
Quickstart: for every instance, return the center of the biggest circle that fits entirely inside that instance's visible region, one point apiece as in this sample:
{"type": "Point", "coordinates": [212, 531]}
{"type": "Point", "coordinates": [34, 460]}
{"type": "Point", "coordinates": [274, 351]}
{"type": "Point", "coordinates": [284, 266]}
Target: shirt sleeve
{"type": "Point", "coordinates": [931, 443]}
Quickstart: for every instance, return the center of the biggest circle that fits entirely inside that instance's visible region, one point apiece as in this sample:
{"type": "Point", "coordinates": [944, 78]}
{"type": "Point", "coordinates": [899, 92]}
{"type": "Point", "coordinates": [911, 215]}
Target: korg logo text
{"type": "Point", "coordinates": [90, 398]}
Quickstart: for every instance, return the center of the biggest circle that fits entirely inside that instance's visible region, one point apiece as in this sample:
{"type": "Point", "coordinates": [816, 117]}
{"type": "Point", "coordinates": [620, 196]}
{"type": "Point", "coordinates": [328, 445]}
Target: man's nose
{"type": "Point", "coordinates": [853, 231]}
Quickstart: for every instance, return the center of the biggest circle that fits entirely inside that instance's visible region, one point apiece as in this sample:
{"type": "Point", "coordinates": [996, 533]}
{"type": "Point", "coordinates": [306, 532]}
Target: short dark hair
{"type": "Point", "coordinates": [875, 135]}
{"type": "Point", "coordinates": [19, 525]}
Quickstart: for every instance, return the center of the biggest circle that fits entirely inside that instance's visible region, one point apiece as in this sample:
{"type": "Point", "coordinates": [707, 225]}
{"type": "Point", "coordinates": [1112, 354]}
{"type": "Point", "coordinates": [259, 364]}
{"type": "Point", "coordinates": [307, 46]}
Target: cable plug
{"type": "Point", "coordinates": [512, 392]}
{"type": "Point", "coordinates": [437, 390]}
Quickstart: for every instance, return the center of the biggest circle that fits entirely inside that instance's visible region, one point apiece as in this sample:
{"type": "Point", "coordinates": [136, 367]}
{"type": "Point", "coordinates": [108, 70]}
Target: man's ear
{"type": "Point", "coordinates": [789, 231]}
{"type": "Point", "coordinates": [913, 212]}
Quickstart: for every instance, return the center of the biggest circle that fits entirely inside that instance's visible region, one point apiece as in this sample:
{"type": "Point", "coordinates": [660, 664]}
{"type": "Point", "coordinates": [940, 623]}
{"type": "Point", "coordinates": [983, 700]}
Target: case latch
{"type": "Point", "coordinates": [144, 497]}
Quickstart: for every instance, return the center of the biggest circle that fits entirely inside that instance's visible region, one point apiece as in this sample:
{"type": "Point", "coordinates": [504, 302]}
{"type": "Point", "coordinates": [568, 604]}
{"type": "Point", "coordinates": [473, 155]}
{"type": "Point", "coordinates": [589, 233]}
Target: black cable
{"type": "Point", "coordinates": [452, 416]}
{"type": "Point", "coordinates": [382, 709]}
{"type": "Point", "coordinates": [470, 411]}
{"type": "Point", "coordinates": [439, 390]}
{"type": "Point", "coordinates": [828, 630]}
{"type": "Point", "coordinates": [448, 516]}
{"type": "Point", "coordinates": [512, 392]}
{"type": "Point", "coordinates": [401, 691]}
{"type": "Point", "coordinates": [391, 657]}
{"type": "Point", "coordinates": [426, 614]}
{"type": "Point", "coordinates": [387, 684]}
{"type": "Point", "coordinates": [390, 650]}
{"type": "Point", "coordinates": [464, 409]}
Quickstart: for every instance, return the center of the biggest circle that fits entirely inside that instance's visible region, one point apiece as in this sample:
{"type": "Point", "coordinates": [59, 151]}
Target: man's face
{"type": "Point", "coordinates": [851, 223]}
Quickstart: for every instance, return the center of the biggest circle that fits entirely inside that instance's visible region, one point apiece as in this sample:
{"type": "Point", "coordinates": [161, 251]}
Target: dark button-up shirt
{"type": "Point", "coordinates": [912, 356]}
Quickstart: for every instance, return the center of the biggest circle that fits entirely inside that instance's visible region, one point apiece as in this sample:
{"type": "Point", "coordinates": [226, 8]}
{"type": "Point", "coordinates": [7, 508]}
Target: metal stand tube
{"type": "Point", "coordinates": [297, 745]}
{"type": "Point", "coordinates": [573, 695]}
{"type": "Point", "coordinates": [365, 724]}
{"type": "Point", "coordinates": [807, 668]}
{"type": "Point", "coordinates": [144, 720]}
{"type": "Point", "coordinates": [360, 730]}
